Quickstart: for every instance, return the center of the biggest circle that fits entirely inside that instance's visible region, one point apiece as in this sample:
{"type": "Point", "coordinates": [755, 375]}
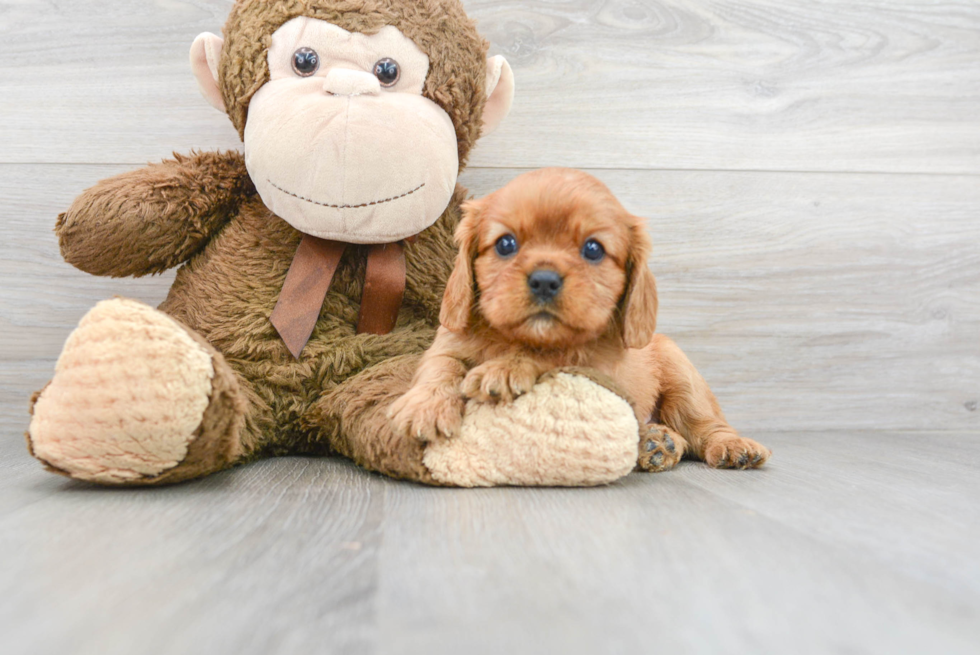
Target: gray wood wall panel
{"type": "Point", "coordinates": [809, 301]}
{"type": "Point", "coordinates": [737, 84]}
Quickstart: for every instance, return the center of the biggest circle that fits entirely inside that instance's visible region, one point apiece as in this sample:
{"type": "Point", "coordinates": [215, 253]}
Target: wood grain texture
{"type": "Point", "coordinates": [41, 294]}
{"type": "Point", "coordinates": [737, 84]}
{"type": "Point", "coordinates": [196, 568]}
{"type": "Point", "coordinates": [810, 172]}
{"type": "Point", "coordinates": [851, 542]}
{"type": "Point", "coordinates": [694, 561]}
{"type": "Point", "coordinates": [808, 301]}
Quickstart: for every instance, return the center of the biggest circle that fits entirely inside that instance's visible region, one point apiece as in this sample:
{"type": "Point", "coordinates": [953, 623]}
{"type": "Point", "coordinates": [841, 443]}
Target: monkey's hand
{"type": "Point", "coordinates": [428, 412]}
{"type": "Point", "coordinates": [149, 220]}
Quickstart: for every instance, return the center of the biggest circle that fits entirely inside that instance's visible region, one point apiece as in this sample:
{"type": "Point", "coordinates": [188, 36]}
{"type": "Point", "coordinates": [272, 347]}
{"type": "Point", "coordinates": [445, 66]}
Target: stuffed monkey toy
{"type": "Point", "coordinates": [311, 269]}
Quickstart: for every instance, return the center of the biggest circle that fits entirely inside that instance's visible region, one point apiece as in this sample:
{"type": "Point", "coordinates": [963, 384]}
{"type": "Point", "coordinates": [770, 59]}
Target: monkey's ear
{"type": "Point", "coordinates": [205, 55]}
{"type": "Point", "coordinates": [639, 304]}
{"type": "Point", "coordinates": [500, 93]}
{"type": "Point", "coordinates": [457, 303]}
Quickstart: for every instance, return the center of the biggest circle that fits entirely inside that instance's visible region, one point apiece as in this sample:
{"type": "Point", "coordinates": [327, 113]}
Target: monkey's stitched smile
{"type": "Point", "coordinates": [366, 204]}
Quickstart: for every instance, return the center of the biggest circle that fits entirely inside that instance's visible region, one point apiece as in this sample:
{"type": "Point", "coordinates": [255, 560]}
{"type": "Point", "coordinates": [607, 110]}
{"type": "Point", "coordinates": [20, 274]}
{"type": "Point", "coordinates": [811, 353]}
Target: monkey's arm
{"type": "Point", "coordinates": [149, 220]}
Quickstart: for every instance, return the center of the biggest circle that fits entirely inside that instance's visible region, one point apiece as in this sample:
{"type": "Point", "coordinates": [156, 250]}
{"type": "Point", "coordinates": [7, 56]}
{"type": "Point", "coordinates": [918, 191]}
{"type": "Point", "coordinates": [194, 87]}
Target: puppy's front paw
{"type": "Point", "coordinates": [500, 380]}
{"type": "Point", "coordinates": [732, 451]}
{"type": "Point", "coordinates": [660, 448]}
{"type": "Point", "coordinates": [426, 414]}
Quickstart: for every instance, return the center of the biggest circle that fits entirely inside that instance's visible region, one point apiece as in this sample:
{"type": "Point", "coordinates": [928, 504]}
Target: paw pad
{"type": "Point", "coordinates": [658, 450]}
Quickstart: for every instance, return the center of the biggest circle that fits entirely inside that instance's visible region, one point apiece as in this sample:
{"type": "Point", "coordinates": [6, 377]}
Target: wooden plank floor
{"type": "Point", "coordinates": [810, 172]}
{"type": "Point", "coordinates": [850, 542]}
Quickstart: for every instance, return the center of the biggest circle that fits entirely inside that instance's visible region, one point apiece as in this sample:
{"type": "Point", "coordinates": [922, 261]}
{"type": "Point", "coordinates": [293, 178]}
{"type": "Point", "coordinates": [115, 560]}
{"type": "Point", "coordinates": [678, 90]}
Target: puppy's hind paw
{"type": "Point", "coordinates": [660, 448]}
{"type": "Point", "coordinates": [735, 452]}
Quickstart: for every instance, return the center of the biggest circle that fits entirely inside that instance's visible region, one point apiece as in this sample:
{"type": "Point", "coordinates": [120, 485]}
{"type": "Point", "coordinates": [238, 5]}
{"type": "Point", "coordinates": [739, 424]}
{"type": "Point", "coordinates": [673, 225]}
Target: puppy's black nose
{"type": "Point", "coordinates": [544, 284]}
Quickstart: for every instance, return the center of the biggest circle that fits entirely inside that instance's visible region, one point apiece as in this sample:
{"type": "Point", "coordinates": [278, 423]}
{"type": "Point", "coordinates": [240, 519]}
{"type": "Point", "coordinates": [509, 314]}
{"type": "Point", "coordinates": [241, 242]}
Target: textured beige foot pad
{"type": "Point", "coordinates": [569, 431]}
{"type": "Point", "coordinates": [130, 390]}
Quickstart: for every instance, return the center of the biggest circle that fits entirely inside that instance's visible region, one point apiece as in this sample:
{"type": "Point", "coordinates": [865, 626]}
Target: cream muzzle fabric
{"type": "Point", "coordinates": [337, 153]}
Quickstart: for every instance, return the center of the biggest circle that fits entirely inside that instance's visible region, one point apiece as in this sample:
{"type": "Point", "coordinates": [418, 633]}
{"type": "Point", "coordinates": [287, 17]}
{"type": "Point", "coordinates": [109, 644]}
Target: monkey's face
{"type": "Point", "coordinates": [341, 143]}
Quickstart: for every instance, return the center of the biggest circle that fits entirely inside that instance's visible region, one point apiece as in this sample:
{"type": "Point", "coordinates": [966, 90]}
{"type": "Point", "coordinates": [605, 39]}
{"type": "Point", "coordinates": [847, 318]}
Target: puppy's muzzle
{"type": "Point", "coordinates": [545, 285]}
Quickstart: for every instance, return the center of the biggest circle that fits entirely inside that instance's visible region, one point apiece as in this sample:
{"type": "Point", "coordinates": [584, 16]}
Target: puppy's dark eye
{"type": "Point", "coordinates": [388, 72]}
{"type": "Point", "coordinates": [593, 251]}
{"type": "Point", "coordinates": [306, 62]}
{"type": "Point", "coordinates": [506, 245]}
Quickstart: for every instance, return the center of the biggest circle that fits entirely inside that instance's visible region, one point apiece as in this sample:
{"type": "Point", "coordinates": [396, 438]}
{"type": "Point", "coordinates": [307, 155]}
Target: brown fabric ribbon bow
{"type": "Point", "coordinates": [309, 279]}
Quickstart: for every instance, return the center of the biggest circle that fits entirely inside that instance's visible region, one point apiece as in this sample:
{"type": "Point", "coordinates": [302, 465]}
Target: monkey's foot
{"type": "Point", "coordinates": [137, 398]}
{"type": "Point", "coordinates": [660, 448]}
{"type": "Point", "coordinates": [571, 429]}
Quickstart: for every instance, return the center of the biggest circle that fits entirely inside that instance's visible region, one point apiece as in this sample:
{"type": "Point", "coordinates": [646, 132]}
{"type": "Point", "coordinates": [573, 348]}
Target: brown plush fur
{"type": "Point", "coordinates": [497, 338]}
{"type": "Point", "coordinates": [440, 28]}
{"type": "Point", "coordinates": [201, 211]}
{"type": "Point", "coordinates": [358, 421]}
{"type": "Point", "coordinates": [149, 220]}
{"type": "Point", "coordinates": [217, 442]}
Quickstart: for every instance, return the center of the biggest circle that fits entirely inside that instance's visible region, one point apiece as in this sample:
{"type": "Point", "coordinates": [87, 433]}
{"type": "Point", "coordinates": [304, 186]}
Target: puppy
{"type": "Point", "coordinates": [552, 272]}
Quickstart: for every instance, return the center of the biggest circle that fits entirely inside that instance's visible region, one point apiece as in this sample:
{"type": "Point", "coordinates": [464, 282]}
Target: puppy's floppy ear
{"type": "Point", "coordinates": [457, 304]}
{"type": "Point", "coordinates": [639, 303]}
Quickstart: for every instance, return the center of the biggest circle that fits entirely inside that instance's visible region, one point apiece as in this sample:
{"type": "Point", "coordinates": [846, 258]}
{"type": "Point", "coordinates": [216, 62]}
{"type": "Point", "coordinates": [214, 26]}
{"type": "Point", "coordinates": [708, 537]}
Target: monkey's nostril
{"type": "Point", "coordinates": [544, 284]}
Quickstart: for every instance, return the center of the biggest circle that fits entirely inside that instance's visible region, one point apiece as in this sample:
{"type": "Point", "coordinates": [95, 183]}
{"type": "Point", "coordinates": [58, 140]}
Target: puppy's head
{"type": "Point", "coordinates": [552, 260]}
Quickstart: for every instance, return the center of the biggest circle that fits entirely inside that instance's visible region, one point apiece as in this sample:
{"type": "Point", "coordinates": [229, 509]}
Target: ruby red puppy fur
{"type": "Point", "coordinates": [552, 272]}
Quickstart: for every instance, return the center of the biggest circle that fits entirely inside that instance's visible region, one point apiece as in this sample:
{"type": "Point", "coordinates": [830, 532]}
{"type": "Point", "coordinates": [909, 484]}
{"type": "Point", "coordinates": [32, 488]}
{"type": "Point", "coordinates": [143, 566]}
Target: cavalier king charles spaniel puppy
{"type": "Point", "coordinates": [552, 272]}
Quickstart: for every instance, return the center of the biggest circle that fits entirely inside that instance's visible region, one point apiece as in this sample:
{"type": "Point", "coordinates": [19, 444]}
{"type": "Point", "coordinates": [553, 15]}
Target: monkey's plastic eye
{"type": "Point", "coordinates": [506, 245]}
{"type": "Point", "coordinates": [388, 72]}
{"type": "Point", "coordinates": [593, 251]}
{"type": "Point", "coordinates": [306, 62]}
